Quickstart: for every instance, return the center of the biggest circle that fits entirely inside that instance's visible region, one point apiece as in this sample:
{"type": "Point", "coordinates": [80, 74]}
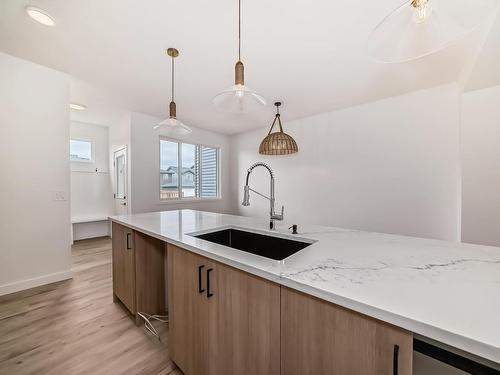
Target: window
{"type": "Point", "coordinates": [169, 161]}
{"type": "Point", "coordinates": [209, 185]}
{"type": "Point", "coordinates": [80, 150]}
{"type": "Point", "coordinates": [188, 170]}
{"type": "Point", "coordinates": [188, 158]}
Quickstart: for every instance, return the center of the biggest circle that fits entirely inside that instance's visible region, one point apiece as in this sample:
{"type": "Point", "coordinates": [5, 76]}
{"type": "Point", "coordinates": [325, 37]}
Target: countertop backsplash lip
{"type": "Point", "coordinates": [442, 290]}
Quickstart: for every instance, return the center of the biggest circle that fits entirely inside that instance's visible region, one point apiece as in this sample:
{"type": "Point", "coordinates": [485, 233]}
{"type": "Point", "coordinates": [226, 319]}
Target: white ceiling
{"type": "Point", "coordinates": [486, 72]}
{"type": "Point", "coordinates": [104, 106]}
{"type": "Point", "coordinates": [308, 54]}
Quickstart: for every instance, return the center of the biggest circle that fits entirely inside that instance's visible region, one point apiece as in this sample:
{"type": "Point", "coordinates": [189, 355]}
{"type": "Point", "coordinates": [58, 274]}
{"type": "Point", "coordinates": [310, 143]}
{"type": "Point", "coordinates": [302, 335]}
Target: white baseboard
{"type": "Point", "coordinates": [34, 282]}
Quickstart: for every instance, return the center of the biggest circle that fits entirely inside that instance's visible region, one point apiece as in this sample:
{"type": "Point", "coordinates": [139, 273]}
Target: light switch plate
{"type": "Point", "coordinates": [59, 195]}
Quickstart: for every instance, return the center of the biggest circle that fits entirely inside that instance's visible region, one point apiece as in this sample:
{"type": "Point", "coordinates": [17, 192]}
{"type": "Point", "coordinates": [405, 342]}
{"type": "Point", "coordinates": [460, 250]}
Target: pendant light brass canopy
{"type": "Point", "coordinates": [171, 124]}
{"type": "Point", "coordinates": [278, 143]}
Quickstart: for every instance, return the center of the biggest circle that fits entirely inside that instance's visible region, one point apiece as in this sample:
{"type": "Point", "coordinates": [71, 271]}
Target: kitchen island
{"type": "Point", "coordinates": [441, 292]}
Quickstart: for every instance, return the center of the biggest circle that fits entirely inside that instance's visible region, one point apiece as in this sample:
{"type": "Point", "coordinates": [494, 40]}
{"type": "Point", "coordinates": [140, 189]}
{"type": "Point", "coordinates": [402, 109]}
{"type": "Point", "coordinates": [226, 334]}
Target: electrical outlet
{"type": "Point", "coordinates": [59, 195]}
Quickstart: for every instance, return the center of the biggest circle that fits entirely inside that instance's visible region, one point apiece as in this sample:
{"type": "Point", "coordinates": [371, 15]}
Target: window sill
{"type": "Point", "coordinates": [83, 161]}
{"type": "Point", "coordinates": [188, 200]}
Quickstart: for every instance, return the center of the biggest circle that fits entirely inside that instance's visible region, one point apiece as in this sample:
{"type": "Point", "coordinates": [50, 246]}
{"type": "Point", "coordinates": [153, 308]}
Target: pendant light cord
{"type": "Point", "coordinates": [239, 30]}
{"type": "Point", "coordinates": [277, 117]}
{"type": "Point", "coordinates": [173, 83]}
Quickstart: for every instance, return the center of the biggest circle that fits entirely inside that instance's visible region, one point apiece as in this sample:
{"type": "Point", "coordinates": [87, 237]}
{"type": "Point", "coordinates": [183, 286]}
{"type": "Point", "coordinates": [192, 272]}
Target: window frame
{"type": "Point", "coordinates": [180, 199]}
{"type": "Point", "coordinates": [92, 150]}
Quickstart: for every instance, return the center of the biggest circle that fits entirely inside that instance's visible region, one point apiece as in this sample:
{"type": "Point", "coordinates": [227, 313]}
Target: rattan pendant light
{"type": "Point", "coordinates": [278, 143]}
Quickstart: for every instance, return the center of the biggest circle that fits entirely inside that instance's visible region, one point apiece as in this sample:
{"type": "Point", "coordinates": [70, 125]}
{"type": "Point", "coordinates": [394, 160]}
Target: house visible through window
{"type": "Point", "coordinates": [80, 150]}
{"type": "Point", "coordinates": [197, 166]}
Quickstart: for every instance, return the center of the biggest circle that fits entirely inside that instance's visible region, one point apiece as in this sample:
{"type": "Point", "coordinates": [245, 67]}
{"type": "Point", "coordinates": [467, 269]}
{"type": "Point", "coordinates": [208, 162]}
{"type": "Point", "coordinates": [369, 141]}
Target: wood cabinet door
{"type": "Point", "coordinates": [124, 265]}
{"type": "Point", "coordinates": [187, 310]}
{"type": "Point", "coordinates": [244, 323]}
{"type": "Point", "coordinates": [319, 338]}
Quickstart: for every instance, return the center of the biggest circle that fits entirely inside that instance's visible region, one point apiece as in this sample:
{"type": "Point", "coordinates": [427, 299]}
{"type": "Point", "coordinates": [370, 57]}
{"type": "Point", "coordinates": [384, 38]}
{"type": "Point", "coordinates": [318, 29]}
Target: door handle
{"type": "Point", "coordinates": [129, 246]}
{"type": "Point", "coordinates": [395, 360]}
{"type": "Point", "coordinates": [209, 294]}
{"type": "Point", "coordinates": [123, 204]}
{"type": "Point", "coordinates": [200, 289]}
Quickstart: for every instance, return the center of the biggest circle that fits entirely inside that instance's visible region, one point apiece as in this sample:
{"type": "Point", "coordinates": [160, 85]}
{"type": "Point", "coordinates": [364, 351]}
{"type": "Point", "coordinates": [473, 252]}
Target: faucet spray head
{"type": "Point", "coordinates": [246, 196]}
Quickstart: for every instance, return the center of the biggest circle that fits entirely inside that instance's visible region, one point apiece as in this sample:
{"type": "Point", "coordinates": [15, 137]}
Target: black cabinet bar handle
{"type": "Point", "coordinates": [209, 294]}
{"type": "Point", "coordinates": [128, 241]}
{"type": "Point", "coordinates": [395, 360]}
{"type": "Point", "coordinates": [200, 289]}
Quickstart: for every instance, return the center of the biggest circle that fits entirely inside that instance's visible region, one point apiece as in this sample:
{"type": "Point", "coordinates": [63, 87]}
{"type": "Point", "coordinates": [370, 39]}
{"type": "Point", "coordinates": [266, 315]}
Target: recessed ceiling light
{"type": "Point", "coordinates": [40, 16]}
{"type": "Point", "coordinates": [78, 107]}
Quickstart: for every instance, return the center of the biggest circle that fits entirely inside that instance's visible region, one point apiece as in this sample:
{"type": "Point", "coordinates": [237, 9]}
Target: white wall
{"type": "Point", "coordinates": [34, 149]}
{"type": "Point", "coordinates": [91, 196]}
{"type": "Point", "coordinates": [481, 166]}
{"type": "Point", "coordinates": [145, 166]}
{"type": "Point", "coordinates": [388, 166]}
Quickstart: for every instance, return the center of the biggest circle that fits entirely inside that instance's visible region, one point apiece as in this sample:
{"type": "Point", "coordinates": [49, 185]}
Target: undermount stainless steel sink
{"type": "Point", "coordinates": [269, 246]}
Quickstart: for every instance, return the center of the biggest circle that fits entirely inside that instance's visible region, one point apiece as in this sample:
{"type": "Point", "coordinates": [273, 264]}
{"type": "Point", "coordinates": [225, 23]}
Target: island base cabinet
{"type": "Point", "coordinates": [138, 271]}
{"type": "Point", "coordinates": [187, 311]}
{"type": "Point", "coordinates": [124, 266]}
{"type": "Point", "coordinates": [244, 324]}
{"type": "Point", "coordinates": [221, 320]}
{"type": "Point", "coordinates": [324, 339]}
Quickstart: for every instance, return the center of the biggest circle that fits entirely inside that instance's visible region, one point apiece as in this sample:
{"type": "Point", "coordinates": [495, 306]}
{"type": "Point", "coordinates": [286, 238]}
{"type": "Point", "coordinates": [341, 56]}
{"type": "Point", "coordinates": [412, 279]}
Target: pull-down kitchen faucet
{"type": "Point", "coordinates": [246, 194]}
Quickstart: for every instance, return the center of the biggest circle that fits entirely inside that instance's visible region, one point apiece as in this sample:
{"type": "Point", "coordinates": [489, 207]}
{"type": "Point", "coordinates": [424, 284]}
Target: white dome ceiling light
{"type": "Point", "coordinates": [419, 28]}
{"type": "Point", "coordinates": [40, 15]}
{"type": "Point", "coordinates": [77, 107]}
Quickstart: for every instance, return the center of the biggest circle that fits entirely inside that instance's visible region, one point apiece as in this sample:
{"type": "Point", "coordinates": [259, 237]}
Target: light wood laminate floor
{"type": "Point", "coordinates": [73, 327]}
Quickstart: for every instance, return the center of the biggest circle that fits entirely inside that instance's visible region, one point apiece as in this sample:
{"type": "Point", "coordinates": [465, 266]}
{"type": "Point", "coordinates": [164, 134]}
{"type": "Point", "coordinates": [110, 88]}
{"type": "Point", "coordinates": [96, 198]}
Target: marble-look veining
{"type": "Point", "coordinates": [449, 292]}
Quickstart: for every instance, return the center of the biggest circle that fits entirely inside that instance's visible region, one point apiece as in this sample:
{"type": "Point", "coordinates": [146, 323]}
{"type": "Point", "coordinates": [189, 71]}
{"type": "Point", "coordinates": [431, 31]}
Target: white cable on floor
{"type": "Point", "coordinates": [149, 326]}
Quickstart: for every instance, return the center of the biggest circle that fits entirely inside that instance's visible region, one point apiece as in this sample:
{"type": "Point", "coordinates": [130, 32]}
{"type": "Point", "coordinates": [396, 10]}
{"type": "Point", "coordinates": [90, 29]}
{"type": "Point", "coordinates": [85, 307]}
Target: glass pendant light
{"type": "Point", "coordinates": [278, 143]}
{"type": "Point", "coordinates": [171, 124]}
{"type": "Point", "coordinates": [239, 98]}
{"type": "Point", "coordinates": [419, 28]}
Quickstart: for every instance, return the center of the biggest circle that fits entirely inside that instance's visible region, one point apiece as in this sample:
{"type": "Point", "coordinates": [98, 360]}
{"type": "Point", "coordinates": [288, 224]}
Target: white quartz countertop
{"type": "Point", "coordinates": [448, 292]}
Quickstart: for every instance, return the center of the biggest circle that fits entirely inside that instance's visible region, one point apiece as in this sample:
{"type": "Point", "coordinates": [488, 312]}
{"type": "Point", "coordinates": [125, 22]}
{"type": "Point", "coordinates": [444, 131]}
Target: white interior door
{"type": "Point", "coordinates": [120, 177]}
